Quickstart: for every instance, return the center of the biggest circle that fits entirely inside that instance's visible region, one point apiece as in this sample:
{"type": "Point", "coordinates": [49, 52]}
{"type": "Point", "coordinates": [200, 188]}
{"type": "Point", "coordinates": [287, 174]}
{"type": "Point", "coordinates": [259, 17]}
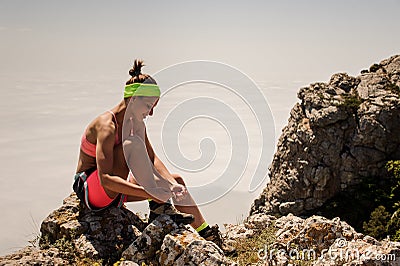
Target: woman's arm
{"type": "Point", "coordinates": [105, 160]}
{"type": "Point", "coordinates": [163, 175]}
{"type": "Point", "coordinates": [142, 168]}
{"type": "Point", "coordinates": [158, 165]}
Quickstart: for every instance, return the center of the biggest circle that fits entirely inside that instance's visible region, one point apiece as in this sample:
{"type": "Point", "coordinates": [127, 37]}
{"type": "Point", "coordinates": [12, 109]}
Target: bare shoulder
{"type": "Point", "coordinates": [104, 125]}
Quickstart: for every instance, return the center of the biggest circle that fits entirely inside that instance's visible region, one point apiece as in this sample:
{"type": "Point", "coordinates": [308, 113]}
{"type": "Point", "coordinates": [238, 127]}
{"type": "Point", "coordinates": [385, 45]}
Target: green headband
{"type": "Point", "coordinates": [141, 89]}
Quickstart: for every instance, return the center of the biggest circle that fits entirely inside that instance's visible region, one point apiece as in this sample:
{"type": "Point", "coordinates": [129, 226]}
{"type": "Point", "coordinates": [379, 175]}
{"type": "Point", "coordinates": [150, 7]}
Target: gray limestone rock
{"type": "Point", "coordinates": [340, 133]}
{"type": "Point", "coordinates": [314, 241]}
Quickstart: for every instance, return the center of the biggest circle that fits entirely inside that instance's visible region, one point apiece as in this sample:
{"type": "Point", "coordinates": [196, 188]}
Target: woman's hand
{"type": "Point", "coordinates": [179, 191]}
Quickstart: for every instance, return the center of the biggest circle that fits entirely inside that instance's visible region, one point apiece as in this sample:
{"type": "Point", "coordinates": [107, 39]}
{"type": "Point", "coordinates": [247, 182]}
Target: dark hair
{"type": "Point", "coordinates": [137, 76]}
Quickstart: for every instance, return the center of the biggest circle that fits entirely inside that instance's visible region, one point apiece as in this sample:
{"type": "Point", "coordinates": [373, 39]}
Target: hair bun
{"type": "Point", "coordinates": [136, 70]}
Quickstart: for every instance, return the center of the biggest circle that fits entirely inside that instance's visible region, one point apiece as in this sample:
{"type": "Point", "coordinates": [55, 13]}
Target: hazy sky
{"type": "Point", "coordinates": [63, 62]}
{"type": "Point", "coordinates": [280, 40]}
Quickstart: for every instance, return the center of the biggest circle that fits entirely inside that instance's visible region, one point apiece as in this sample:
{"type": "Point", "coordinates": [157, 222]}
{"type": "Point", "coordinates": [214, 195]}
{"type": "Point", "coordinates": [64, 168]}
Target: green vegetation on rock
{"type": "Point", "coordinates": [376, 226]}
{"type": "Point", "coordinates": [351, 101]}
{"type": "Point", "coordinates": [394, 88]}
{"type": "Point", "coordinates": [372, 207]}
{"type": "Point", "coordinates": [247, 249]}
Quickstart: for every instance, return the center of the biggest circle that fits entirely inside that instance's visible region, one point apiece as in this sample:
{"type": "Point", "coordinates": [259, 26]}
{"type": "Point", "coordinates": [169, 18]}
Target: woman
{"type": "Point", "coordinates": [102, 160]}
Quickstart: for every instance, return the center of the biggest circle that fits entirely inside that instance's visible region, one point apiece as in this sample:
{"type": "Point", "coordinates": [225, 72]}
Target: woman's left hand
{"type": "Point", "coordinates": [179, 191]}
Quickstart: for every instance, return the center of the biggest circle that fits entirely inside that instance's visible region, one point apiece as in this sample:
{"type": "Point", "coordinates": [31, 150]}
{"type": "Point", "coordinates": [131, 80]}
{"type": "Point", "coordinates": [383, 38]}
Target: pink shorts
{"type": "Point", "coordinates": [97, 196]}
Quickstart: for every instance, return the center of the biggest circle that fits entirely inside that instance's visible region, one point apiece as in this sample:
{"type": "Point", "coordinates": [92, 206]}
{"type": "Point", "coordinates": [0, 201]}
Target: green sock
{"type": "Point", "coordinates": [202, 228]}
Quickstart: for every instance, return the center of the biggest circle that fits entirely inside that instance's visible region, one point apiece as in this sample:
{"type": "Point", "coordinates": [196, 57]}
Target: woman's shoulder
{"type": "Point", "coordinates": [102, 124]}
{"type": "Point", "coordinates": [105, 121]}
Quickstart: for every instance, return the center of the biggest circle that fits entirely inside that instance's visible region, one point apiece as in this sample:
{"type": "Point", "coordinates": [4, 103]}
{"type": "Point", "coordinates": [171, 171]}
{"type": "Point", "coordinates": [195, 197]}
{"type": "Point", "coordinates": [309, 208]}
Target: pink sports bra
{"type": "Point", "coordinates": [90, 148]}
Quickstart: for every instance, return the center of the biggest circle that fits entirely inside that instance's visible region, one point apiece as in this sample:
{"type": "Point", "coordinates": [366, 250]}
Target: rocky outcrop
{"type": "Point", "coordinates": [291, 240]}
{"type": "Point", "coordinates": [164, 242]}
{"type": "Point", "coordinates": [73, 235]}
{"type": "Point", "coordinates": [98, 236]}
{"type": "Point", "coordinates": [34, 256]}
{"type": "Point", "coordinates": [339, 134]}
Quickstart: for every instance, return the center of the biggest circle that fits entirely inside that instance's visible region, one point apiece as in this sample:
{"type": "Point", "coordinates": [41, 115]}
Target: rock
{"type": "Point", "coordinates": [173, 244]}
{"type": "Point", "coordinates": [74, 235]}
{"type": "Point", "coordinates": [359, 252]}
{"type": "Point", "coordinates": [123, 262]}
{"type": "Point", "coordinates": [128, 263]}
{"type": "Point", "coordinates": [34, 256]}
{"type": "Point", "coordinates": [203, 253]}
{"type": "Point", "coordinates": [316, 241]}
{"type": "Point", "coordinates": [319, 233]}
{"type": "Point", "coordinates": [99, 236]}
{"type": "Point", "coordinates": [340, 134]}
{"type": "Point", "coordinates": [144, 248]}
{"type": "Point", "coordinates": [182, 247]}
{"type": "Point", "coordinates": [259, 221]}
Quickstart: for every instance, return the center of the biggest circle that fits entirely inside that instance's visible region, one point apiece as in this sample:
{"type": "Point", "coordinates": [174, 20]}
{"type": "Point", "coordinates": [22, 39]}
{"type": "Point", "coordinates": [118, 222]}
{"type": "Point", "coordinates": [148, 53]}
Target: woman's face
{"type": "Point", "coordinates": [143, 106]}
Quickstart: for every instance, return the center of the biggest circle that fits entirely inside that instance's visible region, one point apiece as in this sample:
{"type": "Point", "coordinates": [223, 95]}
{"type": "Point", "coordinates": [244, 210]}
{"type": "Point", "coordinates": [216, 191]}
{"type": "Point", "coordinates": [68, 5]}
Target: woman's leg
{"type": "Point", "coordinates": [208, 233]}
{"type": "Point", "coordinates": [188, 205]}
{"type": "Point", "coordinates": [97, 196]}
{"type": "Point", "coordinates": [132, 198]}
